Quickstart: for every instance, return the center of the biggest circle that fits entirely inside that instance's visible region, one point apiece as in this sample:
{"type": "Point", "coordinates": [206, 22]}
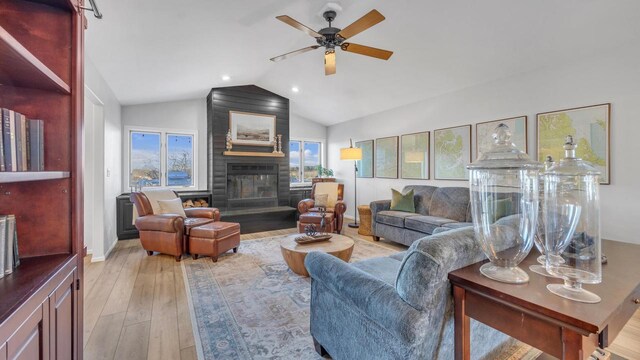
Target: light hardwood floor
{"type": "Point", "coordinates": [135, 306]}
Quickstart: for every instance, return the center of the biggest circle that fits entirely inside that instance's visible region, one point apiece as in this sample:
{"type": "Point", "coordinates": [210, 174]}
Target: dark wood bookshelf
{"type": "Point", "coordinates": [42, 77]}
{"type": "Point", "coordinates": [22, 176]}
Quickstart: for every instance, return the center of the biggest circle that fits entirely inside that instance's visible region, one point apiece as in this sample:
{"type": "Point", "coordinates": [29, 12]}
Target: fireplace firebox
{"type": "Point", "coordinates": [252, 186]}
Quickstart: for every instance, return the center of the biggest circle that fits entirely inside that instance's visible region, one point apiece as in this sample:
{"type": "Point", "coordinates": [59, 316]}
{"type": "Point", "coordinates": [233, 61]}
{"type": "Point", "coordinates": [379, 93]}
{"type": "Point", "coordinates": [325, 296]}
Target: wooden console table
{"type": "Point", "coordinates": [530, 313]}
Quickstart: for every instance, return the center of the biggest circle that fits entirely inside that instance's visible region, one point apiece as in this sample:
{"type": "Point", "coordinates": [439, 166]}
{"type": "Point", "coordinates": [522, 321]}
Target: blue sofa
{"type": "Point", "coordinates": [396, 307]}
{"type": "Point", "coordinates": [437, 209]}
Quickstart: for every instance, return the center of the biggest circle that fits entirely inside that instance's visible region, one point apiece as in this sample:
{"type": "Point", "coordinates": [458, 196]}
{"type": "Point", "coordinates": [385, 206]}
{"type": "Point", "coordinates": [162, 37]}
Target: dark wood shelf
{"type": "Point", "coordinates": [22, 176]}
{"type": "Point", "coordinates": [20, 68]}
{"type": "Point", "coordinates": [26, 279]}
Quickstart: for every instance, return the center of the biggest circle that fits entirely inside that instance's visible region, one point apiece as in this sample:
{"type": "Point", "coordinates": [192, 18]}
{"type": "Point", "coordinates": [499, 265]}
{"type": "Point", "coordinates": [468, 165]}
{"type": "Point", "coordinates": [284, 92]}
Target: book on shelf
{"type": "Point", "coordinates": [6, 139]}
{"type": "Point", "coordinates": [17, 119]}
{"type": "Point", "coordinates": [16, 256]}
{"type": "Point", "coordinates": [13, 160]}
{"type": "Point", "coordinates": [36, 153]}
{"type": "Point", "coordinates": [2, 168]}
{"type": "Point", "coordinates": [21, 142]}
{"type": "Point", "coordinates": [8, 244]}
{"type": "Point", "coordinates": [3, 237]}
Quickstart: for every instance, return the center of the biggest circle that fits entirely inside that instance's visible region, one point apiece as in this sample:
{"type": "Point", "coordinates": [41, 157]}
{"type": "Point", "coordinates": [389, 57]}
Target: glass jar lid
{"type": "Point", "coordinates": [572, 165]}
{"type": "Point", "coordinates": [503, 154]}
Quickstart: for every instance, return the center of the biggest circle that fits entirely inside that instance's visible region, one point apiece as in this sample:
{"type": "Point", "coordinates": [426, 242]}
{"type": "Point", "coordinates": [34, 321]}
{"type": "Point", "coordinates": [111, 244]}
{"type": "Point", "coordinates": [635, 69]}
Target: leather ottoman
{"type": "Point", "coordinates": [214, 239]}
{"type": "Point", "coordinates": [315, 218]}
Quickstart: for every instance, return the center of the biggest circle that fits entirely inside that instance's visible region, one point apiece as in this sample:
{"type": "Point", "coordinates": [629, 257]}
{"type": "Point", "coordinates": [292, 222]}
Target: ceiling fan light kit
{"type": "Point", "coordinates": [332, 37]}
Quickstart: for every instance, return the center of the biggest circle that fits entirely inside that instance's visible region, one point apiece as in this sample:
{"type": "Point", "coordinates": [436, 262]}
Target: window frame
{"type": "Point", "coordinates": [302, 141]}
{"type": "Point", "coordinates": [164, 157]}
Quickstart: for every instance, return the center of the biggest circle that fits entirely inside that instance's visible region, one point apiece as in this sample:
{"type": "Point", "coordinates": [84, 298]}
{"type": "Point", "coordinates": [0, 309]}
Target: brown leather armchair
{"type": "Point", "coordinates": [308, 206]}
{"type": "Point", "coordinates": [168, 233]}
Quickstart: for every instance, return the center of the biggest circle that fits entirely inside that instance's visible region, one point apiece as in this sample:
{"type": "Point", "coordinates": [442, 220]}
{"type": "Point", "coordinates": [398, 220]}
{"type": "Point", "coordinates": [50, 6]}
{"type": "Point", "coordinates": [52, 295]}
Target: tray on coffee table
{"type": "Point", "coordinates": [310, 239]}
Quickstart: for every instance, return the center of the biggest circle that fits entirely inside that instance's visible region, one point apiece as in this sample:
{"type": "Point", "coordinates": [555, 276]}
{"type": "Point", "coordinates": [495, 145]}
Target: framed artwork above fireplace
{"type": "Point", "coordinates": [252, 129]}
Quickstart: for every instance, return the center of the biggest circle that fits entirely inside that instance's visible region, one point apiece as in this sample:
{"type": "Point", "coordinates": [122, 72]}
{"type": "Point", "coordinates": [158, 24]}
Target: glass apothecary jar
{"type": "Point", "coordinates": [504, 205]}
{"type": "Point", "coordinates": [572, 225]}
{"type": "Point", "coordinates": [539, 239]}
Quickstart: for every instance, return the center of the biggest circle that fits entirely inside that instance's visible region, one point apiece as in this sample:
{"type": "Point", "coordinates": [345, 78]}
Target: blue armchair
{"type": "Point", "coordinates": [397, 307]}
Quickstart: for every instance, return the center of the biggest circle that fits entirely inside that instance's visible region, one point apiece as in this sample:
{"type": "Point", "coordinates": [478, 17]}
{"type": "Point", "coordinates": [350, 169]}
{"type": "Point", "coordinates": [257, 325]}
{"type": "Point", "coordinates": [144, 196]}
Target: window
{"type": "Point", "coordinates": [179, 160]}
{"type": "Point", "coordinates": [304, 158]}
{"type": "Point", "coordinates": [145, 158]}
{"type": "Point", "coordinates": [161, 158]}
{"type": "Point", "coordinates": [311, 160]}
{"type": "Point", "coordinates": [294, 162]}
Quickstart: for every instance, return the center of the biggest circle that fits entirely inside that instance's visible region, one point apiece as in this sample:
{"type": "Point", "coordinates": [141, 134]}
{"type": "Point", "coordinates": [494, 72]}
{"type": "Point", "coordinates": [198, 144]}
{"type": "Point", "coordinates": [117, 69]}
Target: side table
{"type": "Point", "coordinates": [530, 313]}
{"type": "Point", "coordinates": [364, 212]}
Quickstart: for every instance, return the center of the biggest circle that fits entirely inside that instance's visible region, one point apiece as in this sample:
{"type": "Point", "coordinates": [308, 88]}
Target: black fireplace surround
{"type": "Point", "coordinates": [252, 186]}
{"type": "Point", "coordinates": [251, 190]}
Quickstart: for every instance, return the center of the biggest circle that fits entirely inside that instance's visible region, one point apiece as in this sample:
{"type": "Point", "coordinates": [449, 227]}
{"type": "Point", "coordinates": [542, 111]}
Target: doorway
{"type": "Point", "coordinates": [93, 149]}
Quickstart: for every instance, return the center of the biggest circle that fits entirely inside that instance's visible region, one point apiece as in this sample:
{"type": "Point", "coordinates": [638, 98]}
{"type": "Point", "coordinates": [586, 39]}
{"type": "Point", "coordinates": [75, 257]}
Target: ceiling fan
{"type": "Point", "coordinates": [331, 37]}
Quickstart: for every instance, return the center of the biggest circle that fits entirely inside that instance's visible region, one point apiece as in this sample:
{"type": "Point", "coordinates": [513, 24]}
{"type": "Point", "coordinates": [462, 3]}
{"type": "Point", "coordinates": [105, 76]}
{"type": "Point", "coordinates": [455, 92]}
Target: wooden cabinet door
{"type": "Point", "coordinates": [31, 340]}
{"type": "Point", "coordinates": [62, 319]}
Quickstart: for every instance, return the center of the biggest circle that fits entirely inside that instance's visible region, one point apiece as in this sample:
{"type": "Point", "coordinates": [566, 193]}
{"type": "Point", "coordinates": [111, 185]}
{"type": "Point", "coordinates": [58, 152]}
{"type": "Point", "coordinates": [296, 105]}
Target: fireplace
{"type": "Point", "coordinates": [252, 186]}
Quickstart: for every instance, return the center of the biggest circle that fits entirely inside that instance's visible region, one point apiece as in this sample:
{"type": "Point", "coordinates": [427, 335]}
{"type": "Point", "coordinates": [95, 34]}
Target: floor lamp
{"type": "Point", "coordinates": [355, 154]}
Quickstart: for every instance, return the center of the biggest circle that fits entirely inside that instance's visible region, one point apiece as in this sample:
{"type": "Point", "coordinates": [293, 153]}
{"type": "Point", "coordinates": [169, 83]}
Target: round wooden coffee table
{"type": "Point", "coordinates": [293, 253]}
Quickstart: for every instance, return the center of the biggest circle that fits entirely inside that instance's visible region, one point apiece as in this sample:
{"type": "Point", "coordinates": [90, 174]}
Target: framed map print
{"type": "Point", "coordinates": [452, 153]}
{"type": "Point", "coordinates": [484, 132]}
{"type": "Point", "coordinates": [365, 166]}
{"type": "Point", "coordinates": [415, 156]}
{"type": "Point", "coordinates": [589, 127]}
{"type": "Point", "coordinates": [387, 157]}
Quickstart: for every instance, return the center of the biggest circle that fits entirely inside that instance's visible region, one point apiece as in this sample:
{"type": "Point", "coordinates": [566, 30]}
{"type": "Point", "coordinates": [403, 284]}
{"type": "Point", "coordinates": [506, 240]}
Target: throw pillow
{"type": "Point", "coordinates": [402, 202]}
{"type": "Point", "coordinates": [330, 189]}
{"type": "Point", "coordinates": [501, 208]}
{"type": "Point", "coordinates": [173, 206]}
{"type": "Point", "coordinates": [321, 200]}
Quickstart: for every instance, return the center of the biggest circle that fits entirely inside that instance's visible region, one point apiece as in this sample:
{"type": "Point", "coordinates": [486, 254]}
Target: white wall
{"type": "Point", "coordinates": [110, 151]}
{"type": "Point", "coordinates": [613, 77]}
{"type": "Point", "coordinates": [187, 115]}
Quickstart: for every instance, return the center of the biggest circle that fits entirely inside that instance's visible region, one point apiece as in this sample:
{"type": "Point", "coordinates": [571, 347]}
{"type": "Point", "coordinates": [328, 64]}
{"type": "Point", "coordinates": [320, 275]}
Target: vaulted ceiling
{"type": "Point", "coordinates": [163, 50]}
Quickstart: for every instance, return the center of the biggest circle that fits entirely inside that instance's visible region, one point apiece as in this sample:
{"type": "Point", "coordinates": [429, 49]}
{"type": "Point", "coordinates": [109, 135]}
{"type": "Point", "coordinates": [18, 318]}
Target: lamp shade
{"type": "Point", "coordinates": [351, 153]}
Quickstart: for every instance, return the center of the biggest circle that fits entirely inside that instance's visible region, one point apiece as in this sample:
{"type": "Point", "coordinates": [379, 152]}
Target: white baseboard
{"type": "Point", "coordinates": [106, 255]}
{"type": "Point", "coordinates": [89, 251]}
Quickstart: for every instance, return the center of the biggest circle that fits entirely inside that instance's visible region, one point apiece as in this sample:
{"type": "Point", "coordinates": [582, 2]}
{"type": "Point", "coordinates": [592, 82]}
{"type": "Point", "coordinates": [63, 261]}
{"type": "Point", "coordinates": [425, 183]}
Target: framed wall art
{"type": "Point", "coordinates": [386, 160]}
{"type": "Point", "coordinates": [589, 126]}
{"type": "Point", "coordinates": [414, 156]}
{"type": "Point", "coordinates": [517, 125]}
{"type": "Point", "coordinates": [452, 153]}
{"type": "Point", "coordinates": [252, 129]}
{"type": "Point", "coordinates": [365, 166]}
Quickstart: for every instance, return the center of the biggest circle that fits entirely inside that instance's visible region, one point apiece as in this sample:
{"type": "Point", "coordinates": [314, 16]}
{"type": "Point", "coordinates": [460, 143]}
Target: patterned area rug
{"type": "Point", "coordinates": [249, 305]}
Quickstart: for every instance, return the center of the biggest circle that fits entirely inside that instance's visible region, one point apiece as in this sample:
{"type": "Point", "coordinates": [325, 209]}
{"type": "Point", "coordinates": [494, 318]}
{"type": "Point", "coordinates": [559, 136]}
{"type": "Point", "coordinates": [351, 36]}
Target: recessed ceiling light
{"type": "Point", "coordinates": [226, 77]}
{"type": "Point", "coordinates": [295, 89]}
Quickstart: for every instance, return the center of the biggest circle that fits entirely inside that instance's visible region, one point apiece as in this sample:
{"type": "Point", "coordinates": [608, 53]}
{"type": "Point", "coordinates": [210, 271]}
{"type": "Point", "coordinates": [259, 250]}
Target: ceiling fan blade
{"type": "Point", "coordinates": [367, 50]}
{"type": "Point", "coordinates": [329, 62]}
{"type": "Point", "coordinates": [371, 18]}
{"type": "Point", "coordinates": [290, 21]}
{"type": "Point", "coordinates": [294, 53]}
